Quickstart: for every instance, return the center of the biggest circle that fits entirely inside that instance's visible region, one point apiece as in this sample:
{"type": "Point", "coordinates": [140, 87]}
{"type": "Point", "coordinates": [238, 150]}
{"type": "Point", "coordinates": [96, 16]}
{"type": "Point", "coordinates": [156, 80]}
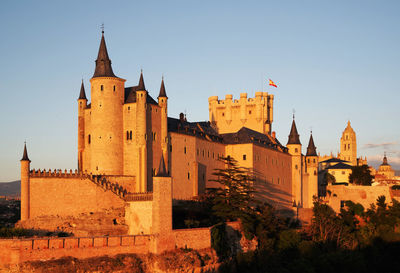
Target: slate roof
{"type": "Point", "coordinates": [103, 62]}
{"type": "Point", "coordinates": [130, 95]}
{"type": "Point", "coordinates": [311, 149]}
{"type": "Point", "coordinates": [206, 131]}
{"type": "Point", "coordinates": [333, 160]}
{"type": "Point", "coordinates": [294, 137]}
{"type": "Point", "coordinates": [339, 166]}
{"type": "Point", "coordinates": [246, 135]}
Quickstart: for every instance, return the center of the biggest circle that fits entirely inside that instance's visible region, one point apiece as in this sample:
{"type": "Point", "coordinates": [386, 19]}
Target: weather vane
{"type": "Point", "coordinates": [294, 111]}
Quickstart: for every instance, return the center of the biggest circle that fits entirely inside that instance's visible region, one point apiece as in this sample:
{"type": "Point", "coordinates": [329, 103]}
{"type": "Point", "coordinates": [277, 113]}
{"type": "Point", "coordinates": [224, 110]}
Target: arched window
{"type": "Point", "coordinates": [130, 135]}
{"type": "Point", "coordinates": [88, 139]}
{"type": "Point", "coordinates": [101, 87]}
{"type": "Point", "coordinates": [127, 135]}
{"type": "Point", "coordinates": [114, 88]}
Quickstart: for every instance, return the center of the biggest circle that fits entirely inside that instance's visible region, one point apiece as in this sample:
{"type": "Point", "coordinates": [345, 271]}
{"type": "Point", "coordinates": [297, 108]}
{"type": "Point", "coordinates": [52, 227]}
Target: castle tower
{"type": "Point", "coordinates": [294, 147]}
{"type": "Point", "coordinates": [82, 104]}
{"type": "Point", "coordinates": [25, 198]}
{"type": "Point", "coordinates": [312, 171]}
{"type": "Point", "coordinates": [229, 116]}
{"type": "Point", "coordinates": [141, 133]}
{"type": "Point", "coordinates": [107, 98]}
{"type": "Point", "coordinates": [162, 210]}
{"type": "Point", "coordinates": [163, 103]}
{"type": "Point", "coordinates": [348, 145]}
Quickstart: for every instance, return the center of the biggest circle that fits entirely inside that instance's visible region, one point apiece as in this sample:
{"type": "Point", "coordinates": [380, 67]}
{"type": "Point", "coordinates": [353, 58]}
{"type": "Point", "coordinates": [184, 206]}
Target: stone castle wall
{"type": "Point", "coordinates": [68, 194]}
{"type": "Point", "coordinates": [365, 195]}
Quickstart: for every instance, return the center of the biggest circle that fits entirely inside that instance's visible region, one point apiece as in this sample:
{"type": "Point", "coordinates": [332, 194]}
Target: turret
{"type": "Point", "coordinates": [294, 147]}
{"type": "Point", "coordinates": [141, 133]}
{"type": "Point", "coordinates": [107, 98]}
{"type": "Point", "coordinates": [25, 195]}
{"type": "Point", "coordinates": [311, 188]}
{"type": "Point", "coordinates": [163, 103]}
{"type": "Point", "coordinates": [82, 104]}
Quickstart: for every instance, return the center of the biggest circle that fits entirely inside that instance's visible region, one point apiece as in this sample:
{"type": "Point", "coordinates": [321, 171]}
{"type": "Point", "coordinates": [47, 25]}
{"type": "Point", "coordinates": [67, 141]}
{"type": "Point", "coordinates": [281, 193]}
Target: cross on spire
{"type": "Point", "coordinates": [102, 28]}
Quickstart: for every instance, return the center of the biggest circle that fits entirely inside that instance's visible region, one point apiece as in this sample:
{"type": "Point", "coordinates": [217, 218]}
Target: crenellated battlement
{"type": "Point", "coordinates": [230, 115]}
{"type": "Point", "coordinates": [56, 173]}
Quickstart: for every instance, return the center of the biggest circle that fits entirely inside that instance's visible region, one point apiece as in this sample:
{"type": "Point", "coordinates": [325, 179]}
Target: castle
{"type": "Point", "coordinates": [133, 159]}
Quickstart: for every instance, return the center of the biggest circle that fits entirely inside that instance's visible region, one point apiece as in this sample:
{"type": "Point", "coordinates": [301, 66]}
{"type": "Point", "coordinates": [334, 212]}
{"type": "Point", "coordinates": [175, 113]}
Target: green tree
{"type": "Point", "coordinates": [234, 199]}
{"type": "Point", "coordinates": [329, 179]}
{"type": "Point", "coordinates": [361, 175]}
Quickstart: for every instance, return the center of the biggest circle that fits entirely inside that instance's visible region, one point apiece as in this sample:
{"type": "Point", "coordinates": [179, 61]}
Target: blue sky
{"type": "Point", "coordinates": [333, 61]}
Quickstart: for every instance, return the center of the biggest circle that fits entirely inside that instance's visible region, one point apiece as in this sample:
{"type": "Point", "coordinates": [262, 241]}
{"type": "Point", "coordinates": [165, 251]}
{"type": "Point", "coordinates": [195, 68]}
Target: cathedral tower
{"type": "Point", "coordinates": [312, 171]}
{"type": "Point", "coordinates": [82, 104]}
{"type": "Point", "coordinates": [141, 136]}
{"type": "Point", "coordinates": [107, 98]}
{"type": "Point", "coordinates": [348, 145]}
{"type": "Point", "coordinates": [163, 103]}
{"type": "Point", "coordinates": [294, 147]}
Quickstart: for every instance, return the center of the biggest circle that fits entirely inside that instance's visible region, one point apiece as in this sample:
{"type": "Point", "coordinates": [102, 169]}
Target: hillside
{"type": "Point", "coordinates": [10, 188]}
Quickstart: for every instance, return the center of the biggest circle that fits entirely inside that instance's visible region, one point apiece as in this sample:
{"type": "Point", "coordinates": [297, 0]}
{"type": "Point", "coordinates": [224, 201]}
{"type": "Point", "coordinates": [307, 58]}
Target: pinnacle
{"type": "Point", "coordinates": [103, 62]}
{"type": "Point", "coordinates": [82, 94]}
{"type": "Point", "coordinates": [162, 89]}
{"type": "Point", "coordinates": [162, 172]}
{"type": "Point", "coordinates": [141, 86]}
{"type": "Point", "coordinates": [311, 149]}
{"type": "Point", "coordinates": [25, 155]}
{"type": "Point", "coordinates": [294, 137]}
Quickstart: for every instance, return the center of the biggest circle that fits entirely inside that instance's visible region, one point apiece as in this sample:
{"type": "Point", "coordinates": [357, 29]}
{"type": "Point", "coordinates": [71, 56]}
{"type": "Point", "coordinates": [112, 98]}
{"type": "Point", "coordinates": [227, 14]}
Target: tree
{"type": "Point", "coordinates": [329, 179]}
{"type": "Point", "coordinates": [361, 175]}
{"type": "Point", "coordinates": [234, 198]}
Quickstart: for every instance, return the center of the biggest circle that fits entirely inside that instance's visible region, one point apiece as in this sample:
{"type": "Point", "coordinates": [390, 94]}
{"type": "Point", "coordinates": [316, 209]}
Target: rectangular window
{"type": "Point", "coordinates": [184, 150]}
{"type": "Point", "coordinates": [244, 157]}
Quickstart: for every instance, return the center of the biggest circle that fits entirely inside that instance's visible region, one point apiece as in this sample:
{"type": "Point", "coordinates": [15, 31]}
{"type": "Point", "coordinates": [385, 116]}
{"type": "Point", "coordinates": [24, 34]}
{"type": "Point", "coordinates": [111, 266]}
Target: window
{"type": "Point", "coordinates": [314, 160]}
{"type": "Point", "coordinates": [129, 108]}
{"type": "Point", "coordinates": [296, 150]}
{"type": "Point", "coordinates": [348, 146]}
{"type": "Point", "coordinates": [154, 136]}
{"type": "Point", "coordinates": [127, 135]}
{"type": "Point", "coordinates": [308, 160]}
{"type": "Point", "coordinates": [130, 135]}
{"type": "Point", "coordinates": [101, 87]}
{"type": "Point", "coordinates": [249, 112]}
{"type": "Point", "coordinates": [114, 88]}
{"type": "Point", "coordinates": [170, 148]}
{"type": "Point", "coordinates": [188, 175]}
{"type": "Point", "coordinates": [343, 172]}
{"type": "Point", "coordinates": [244, 157]}
{"type": "Point", "coordinates": [184, 150]}
{"type": "Point", "coordinates": [88, 139]}
{"type": "Point", "coordinates": [296, 167]}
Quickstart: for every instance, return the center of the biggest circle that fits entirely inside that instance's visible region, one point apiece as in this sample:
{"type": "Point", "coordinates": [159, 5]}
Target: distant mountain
{"type": "Point", "coordinates": [10, 188]}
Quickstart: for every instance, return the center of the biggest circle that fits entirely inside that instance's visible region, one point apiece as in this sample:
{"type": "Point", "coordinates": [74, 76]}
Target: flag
{"type": "Point", "coordinates": [272, 83]}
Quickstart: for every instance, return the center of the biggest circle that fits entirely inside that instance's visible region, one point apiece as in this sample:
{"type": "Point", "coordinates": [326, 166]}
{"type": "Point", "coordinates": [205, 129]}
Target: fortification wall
{"type": "Point", "coordinates": [365, 195]}
{"type": "Point", "coordinates": [62, 194]}
{"type": "Point", "coordinates": [15, 251]}
{"type": "Point", "coordinates": [196, 238]}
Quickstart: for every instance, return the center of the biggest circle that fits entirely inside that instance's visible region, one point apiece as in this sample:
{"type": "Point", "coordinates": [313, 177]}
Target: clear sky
{"type": "Point", "coordinates": [333, 61]}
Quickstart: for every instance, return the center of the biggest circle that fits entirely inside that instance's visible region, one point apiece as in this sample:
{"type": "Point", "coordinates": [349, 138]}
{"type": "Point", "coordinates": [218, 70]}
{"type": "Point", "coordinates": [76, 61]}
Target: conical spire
{"type": "Point", "coordinates": [25, 155]}
{"type": "Point", "coordinates": [311, 149]}
{"type": "Point", "coordinates": [82, 94]}
{"type": "Point", "coordinates": [162, 90]}
{"type": "Point", "coordinates": [103, 62]}
{"type": "Point", "coordinates": [141, 86]}
{"type": "Point", "coordinates": [294, 137]}
{"type": "Point", "coordinates": [385, 161]}
{"type": "Point", "coordinates": [162, 172]}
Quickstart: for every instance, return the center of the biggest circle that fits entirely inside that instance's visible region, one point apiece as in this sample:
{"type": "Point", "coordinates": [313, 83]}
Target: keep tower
{"type": "Point", "coordinates": [107, 98]}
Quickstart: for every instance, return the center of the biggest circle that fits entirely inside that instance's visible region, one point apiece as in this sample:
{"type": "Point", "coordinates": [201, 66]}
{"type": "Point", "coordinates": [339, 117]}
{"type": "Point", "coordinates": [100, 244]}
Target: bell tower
{"type": "Point", "coordinates": [348, 145]}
